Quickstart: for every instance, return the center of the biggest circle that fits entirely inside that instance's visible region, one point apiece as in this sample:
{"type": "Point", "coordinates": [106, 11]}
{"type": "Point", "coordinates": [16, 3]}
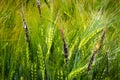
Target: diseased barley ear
{"type": "Point", "coordinates": [64, 46]}
{"type": "Point", "coordinates": [96, 50]}
{"type": "Point", "coordinates": [48, 5]}
{"type": "Point", "coordinates": [39, 7]}
{"type": "Point", "coordinates": [90, 62]}
{"type": "Point", "coordinates": [25, 28]}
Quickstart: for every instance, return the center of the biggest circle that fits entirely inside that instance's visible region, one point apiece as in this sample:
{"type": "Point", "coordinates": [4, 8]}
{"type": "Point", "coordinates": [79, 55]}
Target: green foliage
{"type": "Point", "coordinates": [82, 23]}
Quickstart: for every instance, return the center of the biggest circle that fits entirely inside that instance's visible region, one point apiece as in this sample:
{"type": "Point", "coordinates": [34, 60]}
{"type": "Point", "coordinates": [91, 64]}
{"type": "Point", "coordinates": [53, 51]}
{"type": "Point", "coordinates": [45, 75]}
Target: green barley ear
{"type": "Point", "coordinates": [49, 40]}
{"type": "Point", "coordinates": [42, 62]}
{"type": "Point", "coordinates": [34, 71]}
{"type": "Point", "coordinates": [76, 72]}
{"type": "Point", "coordinates": [87, 38]}
{"type": "Point", "coordinates": [60, 74]}
{"type": "Point", "coordinates": [73, 47]}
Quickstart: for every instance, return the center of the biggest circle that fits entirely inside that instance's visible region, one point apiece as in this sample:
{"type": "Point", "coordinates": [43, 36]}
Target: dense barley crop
{"type": "Point", "coordinates": [59, 40]}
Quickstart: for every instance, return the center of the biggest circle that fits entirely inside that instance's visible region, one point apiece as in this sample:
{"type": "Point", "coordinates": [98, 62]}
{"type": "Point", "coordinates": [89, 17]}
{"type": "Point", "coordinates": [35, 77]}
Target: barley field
{"type": "Point", "coordinates": [59, 39]}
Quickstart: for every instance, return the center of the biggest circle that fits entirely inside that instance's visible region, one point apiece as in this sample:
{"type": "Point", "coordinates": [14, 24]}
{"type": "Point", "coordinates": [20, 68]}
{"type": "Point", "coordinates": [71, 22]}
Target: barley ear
{"type": "Point", "coordinates": [96, 50]}
{"type": "Point", "coordinates": [42, 61]}
{"type": "Point", "coordinates": [77, 72]}
{"type": "Point", "coordinates": [25, 28]}
{"type": "Point", "coordinates": [64, 46]}
{"type": "Point", "coordinates": [39, 7]}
